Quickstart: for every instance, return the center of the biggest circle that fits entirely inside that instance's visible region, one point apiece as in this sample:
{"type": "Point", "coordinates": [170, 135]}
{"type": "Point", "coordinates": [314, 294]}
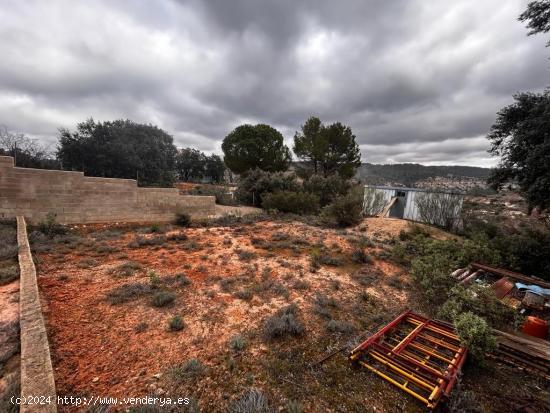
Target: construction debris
{"type": "Point", "coordinates": [529, 295]}
{"type": "Point", "coordinates": [532, 300]}
{"type": "Point", "coordinates": [471, 277]}
{"type": "Point", "coordinates": [510, 274]}
{"type": "Point", "coordinates": [536, 289]}
{"type": "Point", "coordinates": [420, 356]}
{"type": "Point", "coordinates": [502, 287]}
{"type": "Point", "coordinates": [529, 353]}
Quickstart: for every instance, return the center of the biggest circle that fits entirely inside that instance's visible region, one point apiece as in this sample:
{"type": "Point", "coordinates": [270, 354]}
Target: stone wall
{"type": "Point", "coordinates": [76, 198]}
{"type": "Point", "coordinates": [37, 378]}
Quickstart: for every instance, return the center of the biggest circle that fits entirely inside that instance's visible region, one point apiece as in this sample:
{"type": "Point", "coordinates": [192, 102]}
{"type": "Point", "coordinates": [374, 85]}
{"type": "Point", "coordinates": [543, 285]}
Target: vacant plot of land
{"type": "Point", "coordinates": [111, 297]}
{"type": "Point", "coordinates": [209, 313]}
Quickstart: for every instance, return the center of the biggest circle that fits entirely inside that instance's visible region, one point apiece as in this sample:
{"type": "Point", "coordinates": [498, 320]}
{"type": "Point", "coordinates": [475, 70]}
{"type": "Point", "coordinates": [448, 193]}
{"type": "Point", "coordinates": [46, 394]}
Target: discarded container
{"type": "Point", "coordinates": [535, 327]}
{"type": "Point", "coordinates": [502, 287]}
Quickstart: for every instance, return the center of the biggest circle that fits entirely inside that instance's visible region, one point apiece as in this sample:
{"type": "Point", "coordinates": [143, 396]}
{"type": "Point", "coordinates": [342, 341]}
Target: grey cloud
{"type": "Point", "coordinates": [417, 81]}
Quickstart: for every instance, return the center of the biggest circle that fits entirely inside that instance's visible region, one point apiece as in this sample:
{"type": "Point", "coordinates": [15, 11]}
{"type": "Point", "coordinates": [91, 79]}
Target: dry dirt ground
{"type": "Point", "coordinates": [226, 282]}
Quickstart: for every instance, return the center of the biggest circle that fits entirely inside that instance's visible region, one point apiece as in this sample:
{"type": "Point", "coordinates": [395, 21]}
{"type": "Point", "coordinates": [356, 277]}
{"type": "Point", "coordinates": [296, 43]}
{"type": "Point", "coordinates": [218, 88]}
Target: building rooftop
{"type": "Point", "coordinates": [403, 188]}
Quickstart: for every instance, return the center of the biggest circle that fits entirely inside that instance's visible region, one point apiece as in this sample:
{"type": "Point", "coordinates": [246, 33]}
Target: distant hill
{"type": "Point", "coordinates": [408, 174]}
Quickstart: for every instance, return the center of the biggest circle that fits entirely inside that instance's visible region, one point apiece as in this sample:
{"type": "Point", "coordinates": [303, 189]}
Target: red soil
{"type": "Point", "coordinates": [95, 348]}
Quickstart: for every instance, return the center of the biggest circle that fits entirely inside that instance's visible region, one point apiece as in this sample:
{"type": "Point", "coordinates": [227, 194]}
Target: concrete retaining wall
{"type": "Point", "coordinates": [76, 198]}
{"type": "Point", "coordinates": [37, 378]}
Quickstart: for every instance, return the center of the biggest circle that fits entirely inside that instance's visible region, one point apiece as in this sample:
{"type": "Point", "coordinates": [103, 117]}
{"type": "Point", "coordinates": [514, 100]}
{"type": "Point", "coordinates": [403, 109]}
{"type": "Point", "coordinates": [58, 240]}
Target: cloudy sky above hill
{"type": "Point", "coordinates": [418, 81]}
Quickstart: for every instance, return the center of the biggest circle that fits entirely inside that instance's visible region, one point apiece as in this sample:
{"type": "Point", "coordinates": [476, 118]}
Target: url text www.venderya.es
{"type": "Point", "coordinates": [99, 400]}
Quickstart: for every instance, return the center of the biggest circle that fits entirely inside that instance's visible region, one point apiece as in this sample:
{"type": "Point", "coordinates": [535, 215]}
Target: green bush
{"type": "Point", "coordinates": [344, 211]}
{"type": "Point", "coordinates": [475, 333]}
{"type": "Point", "coordinates": [327, 188]}
{"type": "Point", "coordinates": [433, 276]}
{"type": "Point", "coordinates": [154, 279]}
{"type": "Point", "coordinates": [219, 192]}
{"type": "Point", "coordinates": [163, 298]}
{"type": "Point", "coordinates": [525, 249]}
{"type": "Point", "coordinates": [252, 187]}
{"type": "Point", "coordinates": [480, 301]}
{"type": "Point", "coordinates": [50, 227]}
{"type": "Point", "coordinates": [176, 323]}
{"type": "Point", "coordinates": [434, 260]}
{"type": "Point", "coordinates": [183, 219]}
{"type": "Point", "coordinates": [302, 203]}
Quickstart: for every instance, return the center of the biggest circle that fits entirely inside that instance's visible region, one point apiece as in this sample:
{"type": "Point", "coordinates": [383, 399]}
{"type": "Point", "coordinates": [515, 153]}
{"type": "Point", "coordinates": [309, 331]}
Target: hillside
{"type": "Point", "coordinates": [410, 174]}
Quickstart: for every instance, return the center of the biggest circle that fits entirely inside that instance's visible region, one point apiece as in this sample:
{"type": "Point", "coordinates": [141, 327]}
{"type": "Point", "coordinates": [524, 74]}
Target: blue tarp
{"type": "Point", "coordinates": [545, 292]}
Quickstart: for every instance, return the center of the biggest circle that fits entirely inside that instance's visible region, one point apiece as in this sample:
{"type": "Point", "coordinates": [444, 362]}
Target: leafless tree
{"type": "Point", "coordinates": [440, 209]}
{"type": "Point", "coordinates": [28, 152]}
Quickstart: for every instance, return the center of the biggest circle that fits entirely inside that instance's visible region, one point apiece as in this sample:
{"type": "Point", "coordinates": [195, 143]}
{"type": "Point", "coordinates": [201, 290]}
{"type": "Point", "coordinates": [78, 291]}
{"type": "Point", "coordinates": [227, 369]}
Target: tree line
{"type": "Point", "coordinates": [126, 149]}
{"type": "Point", "coordinates": [520, 137]}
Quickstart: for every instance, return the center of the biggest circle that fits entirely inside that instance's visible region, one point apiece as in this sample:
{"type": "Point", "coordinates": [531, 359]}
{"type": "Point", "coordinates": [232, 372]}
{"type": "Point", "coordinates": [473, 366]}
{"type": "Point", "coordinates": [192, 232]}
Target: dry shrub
{"type": "Point", "coordinates": [237, 343]}
{"type": "Point", "coordinates": [163, 298]}
{"type": "Point", "coordinates": [340, 326]}
{"type": "Point", "coordinates": [252, 401]}
{"type": "Point", "coordinates": [191, 369]}
{"type": "Point", "coordinates": [176, 323]}
{"type": "Point", "coordinates": [183, 219]}
{"type": "Point", "coordinates": [9, 274]}
{"type": "Point", "coordinates": [128, 292]}
{"type": "Point", "coordinates": [284, 323]}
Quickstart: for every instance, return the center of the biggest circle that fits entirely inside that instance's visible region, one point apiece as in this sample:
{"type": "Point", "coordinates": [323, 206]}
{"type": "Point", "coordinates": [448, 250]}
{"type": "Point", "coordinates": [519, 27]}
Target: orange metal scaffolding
{"type": "Point", "coordinates": [420, 356]}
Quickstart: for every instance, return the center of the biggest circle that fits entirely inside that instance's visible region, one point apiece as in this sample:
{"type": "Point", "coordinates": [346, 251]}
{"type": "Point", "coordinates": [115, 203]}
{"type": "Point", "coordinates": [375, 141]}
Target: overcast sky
{"type": "Point", "coordinates": [418, 81]}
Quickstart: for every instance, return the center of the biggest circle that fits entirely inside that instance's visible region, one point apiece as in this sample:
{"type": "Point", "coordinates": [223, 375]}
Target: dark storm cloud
{"type": "Point", "coordinates": [417, 81]}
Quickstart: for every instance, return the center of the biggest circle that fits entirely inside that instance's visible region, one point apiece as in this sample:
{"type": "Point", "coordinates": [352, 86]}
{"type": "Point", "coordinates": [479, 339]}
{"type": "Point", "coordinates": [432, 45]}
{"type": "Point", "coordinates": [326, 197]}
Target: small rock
{"type": "Point", "coordinates": [157, 376]}
{"type": "Point", "coordinates": [95, 379]}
